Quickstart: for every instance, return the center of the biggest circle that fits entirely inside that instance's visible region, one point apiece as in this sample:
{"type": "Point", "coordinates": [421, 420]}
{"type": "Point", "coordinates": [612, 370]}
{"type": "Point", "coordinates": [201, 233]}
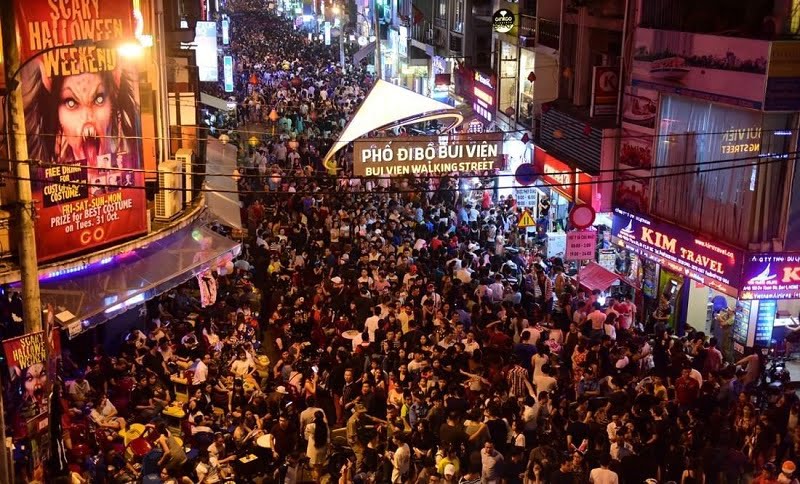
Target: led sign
{"type": "Point", "coordinates": [715, 265]}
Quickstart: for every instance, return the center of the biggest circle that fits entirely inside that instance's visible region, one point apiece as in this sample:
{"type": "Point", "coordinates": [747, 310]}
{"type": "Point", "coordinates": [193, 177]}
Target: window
{"type": "Point", "coordinates": [508, 80]}
{"type": "Point", "coordinates": [457, 20]}
{"type": "Point", "coordinates": [440, 13]}
{"type": "Point", "coordinates": [719, 197]}
{"type": "Point", "coordinates": [526, 66]}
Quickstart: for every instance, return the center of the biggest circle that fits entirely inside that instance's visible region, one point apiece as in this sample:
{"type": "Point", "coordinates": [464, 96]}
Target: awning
{"type": "Point", "coordinates": [222, 196]}
{"type": "Point", "coordinates": [83, 301]}
{"type": "Point", "coordinates": [363, 52]}
{"type": "Point", "coordinates": [216, 102]}
{"type": "Point", "coordinates": [594, 276]}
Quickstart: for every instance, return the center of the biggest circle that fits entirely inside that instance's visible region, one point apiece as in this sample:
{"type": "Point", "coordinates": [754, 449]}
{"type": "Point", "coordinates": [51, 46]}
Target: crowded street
{"type": "Point", "coordinates": [401, 330]}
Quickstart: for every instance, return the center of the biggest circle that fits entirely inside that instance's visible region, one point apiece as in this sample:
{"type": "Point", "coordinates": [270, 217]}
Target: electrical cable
{"type": "Point", "coordinates": [416, 176]}
{"type": "Point", "coordinates": [396, 191]}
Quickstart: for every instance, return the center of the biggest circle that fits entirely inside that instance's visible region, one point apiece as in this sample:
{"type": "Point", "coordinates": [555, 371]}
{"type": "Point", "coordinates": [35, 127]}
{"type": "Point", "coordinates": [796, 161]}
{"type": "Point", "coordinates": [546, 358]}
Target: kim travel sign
{"type": "Point", "coordinates": [419, 155]}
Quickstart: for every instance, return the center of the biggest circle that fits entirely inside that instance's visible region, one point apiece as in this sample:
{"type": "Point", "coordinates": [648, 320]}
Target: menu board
{"type": "Point", "coordinates": [741, 323]}
{"type": "Point", "coordinates": [608, 259]}
{"type": "Point", "coordinates": [765, 319]}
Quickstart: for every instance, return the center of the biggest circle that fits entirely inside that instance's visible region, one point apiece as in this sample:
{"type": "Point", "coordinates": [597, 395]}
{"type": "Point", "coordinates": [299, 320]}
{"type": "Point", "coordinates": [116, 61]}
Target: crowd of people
{"type": "Point", "coordinates": [404, 332]}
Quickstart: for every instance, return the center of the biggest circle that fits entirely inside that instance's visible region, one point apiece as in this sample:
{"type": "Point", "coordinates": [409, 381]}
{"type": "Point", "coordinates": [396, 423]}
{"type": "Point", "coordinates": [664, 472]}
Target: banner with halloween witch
{"type": "Point", "coordinates": [82, 114]}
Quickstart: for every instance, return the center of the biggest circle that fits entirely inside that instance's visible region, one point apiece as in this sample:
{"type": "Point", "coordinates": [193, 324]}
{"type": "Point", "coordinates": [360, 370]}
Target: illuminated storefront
{"type": "Point", "coordinates": [507, 88]}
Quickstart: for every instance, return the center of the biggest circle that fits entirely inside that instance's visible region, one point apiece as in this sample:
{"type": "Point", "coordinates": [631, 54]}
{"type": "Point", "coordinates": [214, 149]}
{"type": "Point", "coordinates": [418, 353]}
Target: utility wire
{"type": "Point", "coordinates": [398, 191]}
{"type": "Point", "coordinates": [35, 163]}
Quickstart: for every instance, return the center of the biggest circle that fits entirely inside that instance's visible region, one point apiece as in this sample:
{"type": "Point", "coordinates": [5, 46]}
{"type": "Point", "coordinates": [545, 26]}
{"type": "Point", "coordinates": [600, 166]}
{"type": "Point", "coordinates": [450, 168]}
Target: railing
{"type": "Point", "coordinates": [527, 25]}
{"type": "Point", "coordinates": [427, 33]}
{"type": "Point", "coordinates": [549, 33]}
{"type": "Point", "coordinates": [422, 32]}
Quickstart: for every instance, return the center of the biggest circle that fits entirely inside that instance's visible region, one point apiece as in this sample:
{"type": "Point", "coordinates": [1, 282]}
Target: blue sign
{"type": "Point", "coordinates": [765, 319]}
{"type": "Point", "coordinates": [226, 39]}
{"type": "Point", "coordinates": [227, 65]}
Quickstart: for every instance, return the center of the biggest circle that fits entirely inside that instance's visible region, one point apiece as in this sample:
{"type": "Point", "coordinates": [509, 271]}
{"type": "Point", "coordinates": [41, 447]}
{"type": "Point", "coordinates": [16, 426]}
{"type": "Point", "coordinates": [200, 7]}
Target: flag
{"type": "Point", "coordinates": [418, 15]}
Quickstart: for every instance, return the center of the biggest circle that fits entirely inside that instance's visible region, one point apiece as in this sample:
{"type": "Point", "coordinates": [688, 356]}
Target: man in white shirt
{"type": "Point", "coordinates": [201, 370]}
{"type": "Point", "coordinates": [602, 475]}
{"type": "Point", "coordinates": [373, 322]}
{"type": "Point", "coordinates": [470, 345]}
{"type": "Point", "coordinates": [497, 288]}
{"type": "Point", "coordinates": [401, 459]}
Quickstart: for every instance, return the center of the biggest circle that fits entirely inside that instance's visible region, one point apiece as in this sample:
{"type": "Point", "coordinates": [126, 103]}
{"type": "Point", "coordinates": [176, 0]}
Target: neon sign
{"type": "Point", "coordinates": [710, 263]}
{"type": "Point", "coordinates": [772, 275]}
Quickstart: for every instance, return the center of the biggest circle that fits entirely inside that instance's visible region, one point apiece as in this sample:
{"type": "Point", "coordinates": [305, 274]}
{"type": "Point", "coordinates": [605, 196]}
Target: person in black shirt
{"type": "Point", "coordinates": [452, 432]}
{"type": "Point", "coordinates": [563, 475]}
{"type": "Point", "coordinates": [577, 433]}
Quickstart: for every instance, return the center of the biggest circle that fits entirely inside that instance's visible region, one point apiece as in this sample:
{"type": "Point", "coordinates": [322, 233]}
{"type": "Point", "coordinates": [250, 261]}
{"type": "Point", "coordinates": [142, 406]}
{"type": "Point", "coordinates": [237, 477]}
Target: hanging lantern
{"type": "Point", "coordinates": [273, 115]}
{"type": "Point", "coordinates": [526, 138]}
{"type": "Point", "coordinates": [531, 77]}
{"type": "Point", "coordinates": [567, 72]}
{"type": "Point", "coordinates": [558, 134]}
{"type": "Point", "coordinates": [587, 129]}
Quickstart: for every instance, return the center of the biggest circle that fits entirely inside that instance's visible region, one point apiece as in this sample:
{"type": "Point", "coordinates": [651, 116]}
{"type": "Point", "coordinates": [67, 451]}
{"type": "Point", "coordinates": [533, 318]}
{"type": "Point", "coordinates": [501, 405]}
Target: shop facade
{"type": "Point", "coordinates": [746, 300]}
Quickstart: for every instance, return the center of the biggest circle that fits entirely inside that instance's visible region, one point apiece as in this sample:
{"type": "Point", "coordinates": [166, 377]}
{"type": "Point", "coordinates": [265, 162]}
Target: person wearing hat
{"type": "Point", "coordinates": [787, 475]}
{"type": "Point", "coordinates": [356, 424]}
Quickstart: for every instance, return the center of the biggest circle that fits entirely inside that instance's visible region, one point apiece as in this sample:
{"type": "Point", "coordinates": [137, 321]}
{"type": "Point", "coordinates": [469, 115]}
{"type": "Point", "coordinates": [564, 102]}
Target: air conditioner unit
{"type": "Point", "coordinates": [185, 157]}
{"type": "Point", "coordinates": [169, 198]}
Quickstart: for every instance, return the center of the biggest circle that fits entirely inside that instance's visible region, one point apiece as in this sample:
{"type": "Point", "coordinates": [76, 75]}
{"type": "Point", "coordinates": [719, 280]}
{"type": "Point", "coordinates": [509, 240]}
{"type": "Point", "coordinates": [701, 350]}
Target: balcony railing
{"type": "Point", "coordinates": [549, 33]}
{"type": "Point", "coordinates": [549, 30]}
{"type": "Point", "coordinates": [427, 33]}
{"type": "Point", "coordinates": [527, 26]}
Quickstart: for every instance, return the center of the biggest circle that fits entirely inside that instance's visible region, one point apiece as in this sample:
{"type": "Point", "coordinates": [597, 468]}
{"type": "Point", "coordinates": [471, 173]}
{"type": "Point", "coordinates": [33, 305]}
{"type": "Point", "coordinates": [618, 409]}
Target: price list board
{"type": "Point", "coordinates": [741, 324]}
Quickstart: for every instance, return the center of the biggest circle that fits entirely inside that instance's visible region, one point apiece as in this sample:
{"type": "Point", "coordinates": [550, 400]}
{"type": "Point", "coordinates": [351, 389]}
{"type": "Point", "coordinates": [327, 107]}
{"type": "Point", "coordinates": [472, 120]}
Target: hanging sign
{"type": "Point", "coordinates": [503, 21]}
{"type": "Point", "coordinates": [580, 245]}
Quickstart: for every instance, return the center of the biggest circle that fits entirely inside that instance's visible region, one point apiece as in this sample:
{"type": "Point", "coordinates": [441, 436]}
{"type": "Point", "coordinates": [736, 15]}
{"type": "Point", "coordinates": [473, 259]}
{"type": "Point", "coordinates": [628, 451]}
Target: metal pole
{"type": "Point", "coordinates": [378, 70]}
{"type": "Point", "coordinates": [341, 45]}
{"type": "Point", "coordinates": [6, 466]}
{"type": "Point", "coordinates": [26, 248]}
{"type": "Point", "coordinates": [18, 146]}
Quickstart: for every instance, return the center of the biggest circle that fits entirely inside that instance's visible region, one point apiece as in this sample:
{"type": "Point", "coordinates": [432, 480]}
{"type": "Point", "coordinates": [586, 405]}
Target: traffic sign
{"type": "Point", "coordinates": [580, 245]}
{"type": "Point", "coordinates": [526, 220]}
{"type": "Point", "coordinates": [582, 216]}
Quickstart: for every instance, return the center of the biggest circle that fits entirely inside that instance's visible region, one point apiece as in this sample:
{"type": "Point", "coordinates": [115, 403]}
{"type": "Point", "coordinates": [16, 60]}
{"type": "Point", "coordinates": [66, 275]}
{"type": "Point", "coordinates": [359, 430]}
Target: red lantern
{"type": "Point", "coordinates": [587, 129]}
{"type": "Point", "coordinates": [525, 138]}
{"type": "Point", "coordinates": [531, 77]}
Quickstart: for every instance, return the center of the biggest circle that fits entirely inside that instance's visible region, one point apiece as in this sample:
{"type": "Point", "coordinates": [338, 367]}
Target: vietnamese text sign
{"type": "Point", "coordinates": [580, 245]}
{"type": "Point", "coordinates": [715, 265]}
{"type": "Point", "coordinates": [226, 38]}
{"type": "Point", "coordinates": [83, 116]}
{"type": "Point", "coordinates": [227, 68]}
{"type": "Point", "coordinates": [420, 155]}
{"type": "Point", "coordinates": [526, 197]}
{"type": "Point", "coordinates": [771, 275]}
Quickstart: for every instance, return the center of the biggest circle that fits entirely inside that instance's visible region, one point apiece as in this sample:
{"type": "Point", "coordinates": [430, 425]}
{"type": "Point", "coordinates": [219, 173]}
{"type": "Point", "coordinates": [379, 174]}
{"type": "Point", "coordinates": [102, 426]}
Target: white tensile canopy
{"type": "Point", "coordinates": [385, 104]}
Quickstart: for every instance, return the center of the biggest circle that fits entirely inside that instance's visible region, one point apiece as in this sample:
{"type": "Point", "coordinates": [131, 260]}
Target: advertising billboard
{"type": "Point", "coordinates": [605, 89]}
{"type": "Point", "coordinates": [227, 68]}
{"type": "Point", "coordinates": [715, 265]}
{"type": "Point", "coordinates": [420, 155]}
{"type": "Point", "coordinates": [771, 275]}
{"type": "Point", "coordinates": [726, 70]}
{"type": "Point", "coordinates": [555, 173]}
{"type": "Point", "coordinates": [29, 384]}
{"type": "Point", "coordinates": [82, 115]}
{"type": "Point", "coordinates": [205, 40]}
{"type": "Point", "coordinates": [226, 37]}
